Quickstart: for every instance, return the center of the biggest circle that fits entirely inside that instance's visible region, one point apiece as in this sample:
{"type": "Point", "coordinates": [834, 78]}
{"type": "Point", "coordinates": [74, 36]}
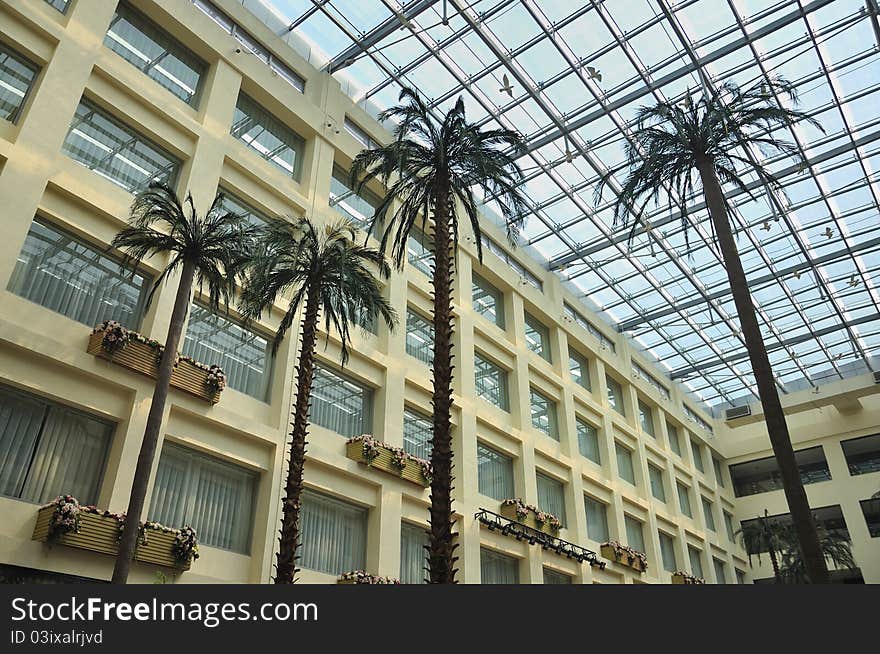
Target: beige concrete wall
{"type": "Point", "coordinates": [44, 353]}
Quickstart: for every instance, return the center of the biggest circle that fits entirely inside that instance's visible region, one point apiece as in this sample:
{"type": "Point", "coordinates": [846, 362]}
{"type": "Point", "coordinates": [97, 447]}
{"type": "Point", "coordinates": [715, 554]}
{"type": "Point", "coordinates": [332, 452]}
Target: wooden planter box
{"type": "Point", "coordinates": [141, 358]}
{"type": "Point", "coordinates": [687, 580]}
{"type": "Point", "coordinates": [623, 559]}
{"type": "Point", "coordinates": [509, 511]}
{"type": "Point", "coordinates": [100, 534]}
{"type": "Point", "coordinates": [412, 472]}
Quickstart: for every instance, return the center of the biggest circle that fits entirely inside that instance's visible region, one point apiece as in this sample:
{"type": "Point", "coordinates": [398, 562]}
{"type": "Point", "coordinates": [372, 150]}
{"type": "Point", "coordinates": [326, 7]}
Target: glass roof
{"type": "Point", "coordinates": [570, 75]}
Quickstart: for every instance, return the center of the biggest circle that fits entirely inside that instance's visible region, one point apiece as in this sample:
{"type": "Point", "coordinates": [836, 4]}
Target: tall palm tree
{"type": "Point", "coordinates": [210, 250]}
{"type": "Point", "coordinates": [672, 145]}
{"type": "Point", "coordinates": [763, 535]}
{"type": "Point", "coordinates": [327, 272]}
{"type": "Point", "coordinates": [836, 547]}
{"type": "Point", "coordinates": [432, 171]}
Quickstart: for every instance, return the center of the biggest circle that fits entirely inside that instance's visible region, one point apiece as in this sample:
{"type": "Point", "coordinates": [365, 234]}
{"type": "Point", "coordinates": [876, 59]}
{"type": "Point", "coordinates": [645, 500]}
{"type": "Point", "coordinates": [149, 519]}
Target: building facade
{"type": "Point", "coordinates": [551, 405]}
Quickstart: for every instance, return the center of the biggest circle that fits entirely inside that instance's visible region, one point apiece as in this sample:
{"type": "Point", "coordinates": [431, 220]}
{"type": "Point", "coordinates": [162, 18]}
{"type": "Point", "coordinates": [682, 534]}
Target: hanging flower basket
{"type": "Point", "coordinates": [127, 348]}
{"type": "Point", "coordinates": [65, 522]}
{"type": "Point", "coordinates": [681, 577]}
{"type": "Point", "coordinates": [625, 555]}
{"type": "Point", "coordinates": [393, 460]}
{"type": "Point", "coordinates": [361, 577]}
{"type": "Point", "coordinates": [530, 516]}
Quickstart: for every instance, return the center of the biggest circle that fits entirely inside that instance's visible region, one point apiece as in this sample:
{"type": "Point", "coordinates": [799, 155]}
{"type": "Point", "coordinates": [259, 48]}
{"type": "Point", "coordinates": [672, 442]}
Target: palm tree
{"type": "Point", "coordinates": [763, 535]}
{"type": "Point", "coordinates": [431, 171]}
{"type": "Point", "coordinates": [836, 547]}
{"type": "Point", "coordinates": [671, 145]}
{"type": "Point", "coordinates": [210, 250]}
{"type": "Point", "coordinates": [329, 273]}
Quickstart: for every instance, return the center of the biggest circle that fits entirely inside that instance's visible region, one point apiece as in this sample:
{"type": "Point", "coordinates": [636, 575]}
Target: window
{"type": "Point", "coordinates": [544, 414]}
{"type": "Point", "coordinates": [615, 395]}
{"type": "Point", "coordinates": [17, 75]}
{"type": "Point", "coordinates": [494, 473]}
{"type": "Point", "coordinates": [360, 134]}
{"type": "Point", "coordinates": [579, 368]}
{"type": "Point", "coordinates": [68, 276]}
{"type": "Point", "coordinates": [47, 449]}
{"type": "Point", "coordinates": [488, 301]}
{"type": "Point", "coordinates": [341, 404]}
{"type": "Point", "coordinates": [588, 440]}
{"type": "Point", "coordinates": [269, 137]}
{"type": "Point", "coordinates": [657, 488]}
{"type": "Point", "coordinates": [740, 576]}
{"type": "Point", "coordinates": [334, 534]}
{"type": "Point", "coordinates": [552, 577]}
{"type": "Point", "coordinates": [667, 552]}
{"type": "Point", "coordinates": [501, 253]}
{"type": "Point", "coordinates": [241, 353]}
{"type": "Point", "coordinates": [646, 419]}
{"type": "Point", "coordinates": [698, 456]}
{"type": "Point", "coordinates": [728, 525]}
{"type": "Point", "coordinates": [641, 373]}
{"type": "Point", "coordinates": [413, 558]}
{"type": "Point", "coordinates": [579, 319]}
{"type": "Point", "coordinates": [115, 151]}
{"type": "Point", "coordinates": [684, 499]}
{"type": "Point", "coordinates": [357, 208]}
{"type": "Point", "coordinates": [862, 454]}
{"type": "Point", "coordinates": [419, 337]}
{"type": "Point", "coordinates": [417, 432]}
{"type": "Point", "coordinates": [60, 5]}
{"type": "Point", "coordinates": [142, 43]}
{"type": "Point", "coordinates": [625, 463]}
{"type": "Point", "coordinates": [230, 203]}
{"type": "Point", "coordinates": [491, 382]}
{"type": "Point", "coordinates": [497, 568]}
{"type": "Point", "coordinates": [674, 442]}
{"type": "Point", "coordinates": [720, 575]}
{"type": "Point", "coordinates": [419, 252]}
{"type": "Point", "coordinates": [719, 475]}
{"type": "Point", "coordinates": [828, 517]}
{"type": "Point", "coordinates": [214, 497]}
{"type": "Point", "coordinates": [635, 536]}
{"type": "Point", "coordinates": [537, 337]}
{"type": "Point", "coordinates": [551, 496]}
{"type": "Point", "coordinates": [871, 511]}
{"type": "Point", "coordinates": [763, 475]}
{"type": "Point", "coordinates": [696, 561]}
{"type": "Point", "coordinates": [708, 514]}
{"type": "Point", "coordinates": [597, 519]}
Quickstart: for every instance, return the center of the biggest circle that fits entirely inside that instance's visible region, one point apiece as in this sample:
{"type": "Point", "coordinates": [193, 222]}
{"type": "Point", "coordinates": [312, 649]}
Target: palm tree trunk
{"type": "Point", "coordinates": [440, 545]}
{"type": "Point", "coordinates": [775, 563]}
{"type": "Point", "coordinates": [130, 532]}
{"type": "Point", "coordinates": [289, 535]}
{"type": "Point", "coordinates": [774, 417]}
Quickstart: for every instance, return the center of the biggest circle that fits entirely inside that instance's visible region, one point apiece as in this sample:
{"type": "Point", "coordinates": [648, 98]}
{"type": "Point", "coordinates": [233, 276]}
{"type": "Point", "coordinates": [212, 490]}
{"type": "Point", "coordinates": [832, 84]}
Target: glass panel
{"type": "Point", "coordinates": [146, 46]}
{"type": "Point", "coordinates": [17, 75]}
{"type": "Point", "coordinates": [657, 488]}
{"type": "Point", "coordinates": [60, 5]}
{"type": "Point", "coordinates": [708, 514]}
{"type": "Point", "coordinates": [233, 204]}
{"type": "Point", "coordinates": [488, 301]}
{"type": "Point", "coordinates": [871, 511]}
{"type": "Point", "coordinates": [491, 382]}
{"type": "Point", "coordinates": [597, 520]}
{"type": "Point", "coordinates": [269, 137]}
{"type": "Point", "coordinates": [357, 208]}
{"type": "Point", "coordinates": [728, 524]}
{"type": "Point", "coordinates": [862, 454]}
{"type": "Point", "coordinates": [74, 279]}
{"type": "Point", "coordinates": [242, 354]}
{"type": "Point", "coordinates": [419, 337]}
{"type": "Point", "coordinates": [763, 475]}
{"type": "Point", "coordinates": [417, 432]}
{"type": "Point", "coordinates": [552, 577]}
{"type": "Point", "coordinates": [615, 396]}
{"type": "Point", "coordinates": [419, 253]}
{"type": "Point", "coordinates": [544, 415]}
{"type": "Point", "coordinates": [212, 496]}
{"type": "Point", "coordinates": [635, 536]}
{"type": "Point", "coordinates": [625, 463]}
{"type": "Point", "coordinates": [413, 558]}
{"type": "Point", "coordinates": [667, 552]}
{"type": "Point", "coordinates": [719, 475]}
{"type": "Point", "coordinates": [496, 568]}
{"type": "Point", "coordinates": [340, 404]}
{"type": "Point", "coordinates": [579, 369]}
{"type": "Point", "coordinates": [720, 575]}
{"type": "Point", "coordinates": [698, 456]}
{"type": "Point", "coordinates": [646, 419]}
{"type": "Point", "coordinates": [115, 151]}
{"type": "Point", "coordinates": [334, 534]}
{"type": "Point", "coordinates": [588, 441]}
{"type": "Point", "coordinates": [684, 500]}
{"type": "Point", "coordinates": [537, 337]}
{"type": "Point", "coordinates": [674, 441]}
{"type": "Point", "coordinates": [551, 496]}
{"type": "Point", "coordinates": [494, 473]}
{"type": "Point", "coordinates": [696, 561]}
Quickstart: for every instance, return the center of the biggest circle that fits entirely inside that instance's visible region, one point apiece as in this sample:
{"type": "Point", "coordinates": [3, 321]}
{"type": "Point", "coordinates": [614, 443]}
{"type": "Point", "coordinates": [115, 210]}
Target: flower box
{"type": "Point", "coordinates": [624, 555]}
{"type": "Point", "coordinates": [530, 516]}
{"type": "Point", "coordinates": [685, 578]}
{"type": "Point", "coordinates": [142, 355]}
{"type": "Point", "coordinates": [99, 531]}
{"type": "Point", "coordinates": [361, 577]}
{"type": "Point", "coordinates": [393, 460]}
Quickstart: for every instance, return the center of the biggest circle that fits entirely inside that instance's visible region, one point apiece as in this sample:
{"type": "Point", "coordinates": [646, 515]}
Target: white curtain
{"type": "Point", "coordinates": [212, 496]}
{"type": "Point", "coordinates": [413, 557]}
{"type": "Point", "coordinates": [551, 496]}
{"type": "Point", "coordinates": [334, 534]}
{"type": "Point", "coordinates": [494, 473]}
{"type": "Point", "coordinates": [588, 441]}
{"type": "Point", "coordinates": [498, 568]}
{"type": "Point", "coordinates": [635, 536]}
{"type": "Point", "coordinates": [340, 404]}
{"type": "Point", "coordinates": [696, 561]}
{"type": "Point", "coordinates": [667, 552]}
{"type": "Point", "coordinates": [597, 520]}
{"type": "Point", "coordinates": [553, 577]}
{"type": "Point", "coordinates": [20, 421]}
